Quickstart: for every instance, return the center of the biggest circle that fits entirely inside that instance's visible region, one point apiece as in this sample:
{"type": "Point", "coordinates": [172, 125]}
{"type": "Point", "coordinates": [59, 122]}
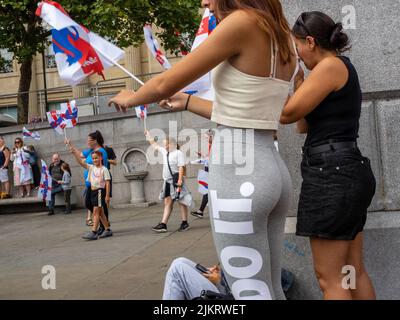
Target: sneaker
{"type": "Point", "coordinates": [198, 214]}
{"type": "Point", "coordinates": [100, 231]}
{"type": "Point", "coordinates": [161, 227]}
{"type": "Point", "coordinates": [51, 212]}
{"type": "Point", "coordinates": [6, 196]}
{"type": "Point", "coordinates": [91, 236]}
{"type": "Point", "coordinates": [67, 211]}
{"type": "Point", "coordinates": [184, 226]}
{"type": "Point", "coordinates": [106, 233]}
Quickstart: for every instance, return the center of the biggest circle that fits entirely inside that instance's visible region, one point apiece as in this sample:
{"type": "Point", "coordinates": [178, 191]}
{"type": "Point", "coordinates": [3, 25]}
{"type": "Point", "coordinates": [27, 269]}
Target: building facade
{"type": "Point", "coordinates": [138, 60]}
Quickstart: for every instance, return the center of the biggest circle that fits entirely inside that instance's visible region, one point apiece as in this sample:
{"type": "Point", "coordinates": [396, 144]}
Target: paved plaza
{"type": "Point", "coordinates": [130, 265]}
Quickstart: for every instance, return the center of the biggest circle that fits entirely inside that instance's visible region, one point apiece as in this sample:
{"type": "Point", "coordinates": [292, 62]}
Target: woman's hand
{"type": "Point", "coordinates": [180, 183]}
{"type": "Point", "coordinates": [299, 78]}
{"type": "Point", "coordinates": [176, 103]}
{"type": "Point", "coordinates": [121, 101]}
{"type": "Point", "coordinates": [108, 199]}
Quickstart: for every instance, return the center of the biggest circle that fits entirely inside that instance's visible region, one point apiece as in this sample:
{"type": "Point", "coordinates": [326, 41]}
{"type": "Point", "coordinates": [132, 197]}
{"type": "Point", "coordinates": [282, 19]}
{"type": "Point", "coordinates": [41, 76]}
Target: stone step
{"type": "Point", "coordinates": [19, 205]}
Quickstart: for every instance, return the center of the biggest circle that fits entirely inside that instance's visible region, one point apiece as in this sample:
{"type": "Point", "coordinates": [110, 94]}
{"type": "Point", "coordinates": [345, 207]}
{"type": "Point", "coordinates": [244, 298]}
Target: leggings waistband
{"type": "Point", "coordinates": [245, 136]}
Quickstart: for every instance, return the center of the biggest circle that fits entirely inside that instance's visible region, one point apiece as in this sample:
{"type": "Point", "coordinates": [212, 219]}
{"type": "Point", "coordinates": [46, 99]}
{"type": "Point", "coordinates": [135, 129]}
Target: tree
{"type": "Point", "coordinates": [21, 32]}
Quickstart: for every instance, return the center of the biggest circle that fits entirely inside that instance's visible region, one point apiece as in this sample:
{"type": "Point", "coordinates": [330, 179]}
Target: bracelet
{"type": "Point", "coordinates": [187, 102]}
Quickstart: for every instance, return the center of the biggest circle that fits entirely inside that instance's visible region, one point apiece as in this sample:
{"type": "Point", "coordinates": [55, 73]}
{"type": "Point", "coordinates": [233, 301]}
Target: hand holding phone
{"type": "Point", "coordinates": [202, 269]}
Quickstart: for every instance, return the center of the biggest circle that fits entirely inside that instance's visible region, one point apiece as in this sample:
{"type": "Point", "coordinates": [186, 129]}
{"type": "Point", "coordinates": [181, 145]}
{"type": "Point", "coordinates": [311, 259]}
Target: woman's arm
{"type": "Point", "coordinates": [225, 41]}
{"type": "Point", "coordinates": [178, 102]}
{"type": "Point", "coordinates": [13, 154]}
{"type": "Point", "coordinates": [113, 162]}
{"type": "Point", "coordinates": [328, 76]}
{"type": "Point", "coordinates": [77, 154]}
{"type": "Point", "coordinates": [180, 179]}
{"type": "Point", "coordinates": [151, 140]}
{"type": "Point", "coordinates": [108, 193]}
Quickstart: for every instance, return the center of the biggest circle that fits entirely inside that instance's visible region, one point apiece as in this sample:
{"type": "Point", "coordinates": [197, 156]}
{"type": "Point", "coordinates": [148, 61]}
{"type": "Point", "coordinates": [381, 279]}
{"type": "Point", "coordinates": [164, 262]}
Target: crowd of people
{"type": "Point", "coordinates": [252, 92]}
{"type": "Point", "coordinates": [25, 168]}
{"type": "Point", "coordinates": [254, 58]}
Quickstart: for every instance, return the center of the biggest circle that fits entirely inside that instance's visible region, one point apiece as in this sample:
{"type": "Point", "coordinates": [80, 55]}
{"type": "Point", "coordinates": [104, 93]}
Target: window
{"type": "Point", "coordinates": [8, 116]}
{"type": "Point", "coordinates": [6, 61]}
{"type": "Point", "coordinates": [55, 105]}
{"type": "Point", "coordinates": [50, 57]}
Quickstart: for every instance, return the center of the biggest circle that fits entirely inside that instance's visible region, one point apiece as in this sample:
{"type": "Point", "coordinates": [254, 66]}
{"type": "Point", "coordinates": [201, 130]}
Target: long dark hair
{"type": "Point", "coordinates": [270, 18]}
{"type": "Point", "coordinates": [98, 137]}
{"type": "Point", "coordinates": [65, 166]}
{"type": "Point", "coordinates": [327, 34]}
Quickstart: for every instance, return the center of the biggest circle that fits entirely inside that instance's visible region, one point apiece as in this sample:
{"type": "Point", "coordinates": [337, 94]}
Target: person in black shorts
{"type": "Point", "coordinates": [338, 182]}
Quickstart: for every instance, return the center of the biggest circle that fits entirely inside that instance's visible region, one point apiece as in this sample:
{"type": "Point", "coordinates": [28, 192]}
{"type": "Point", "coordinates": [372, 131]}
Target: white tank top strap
{"type": "Point", "coordinates": [273, 60]}
{"type": "Point", "coordinates": [297, 61]}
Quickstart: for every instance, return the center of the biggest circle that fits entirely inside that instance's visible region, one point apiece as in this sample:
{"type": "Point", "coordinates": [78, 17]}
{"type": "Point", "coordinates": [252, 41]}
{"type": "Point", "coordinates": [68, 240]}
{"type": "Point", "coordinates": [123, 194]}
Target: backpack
{"type": "Point", "coordinates": [110, 153]}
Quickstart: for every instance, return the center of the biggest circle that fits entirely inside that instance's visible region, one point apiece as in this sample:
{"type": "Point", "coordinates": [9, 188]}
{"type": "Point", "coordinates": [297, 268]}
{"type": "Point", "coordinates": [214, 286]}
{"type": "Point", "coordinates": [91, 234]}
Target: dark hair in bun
{"type": "Point", "coordinates": [98, 137]}
{"type": "Point", "coordinates": [328, 34]}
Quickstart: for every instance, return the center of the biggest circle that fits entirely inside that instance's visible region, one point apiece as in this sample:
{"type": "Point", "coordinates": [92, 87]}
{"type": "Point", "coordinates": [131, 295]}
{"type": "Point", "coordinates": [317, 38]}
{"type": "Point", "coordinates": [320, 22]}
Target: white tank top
{"type": "Point", "coordinates": [247, 101]}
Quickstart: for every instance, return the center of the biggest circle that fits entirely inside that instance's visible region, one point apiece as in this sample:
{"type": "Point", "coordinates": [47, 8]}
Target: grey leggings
{"type": "Point", "coordinates": [248, 211]}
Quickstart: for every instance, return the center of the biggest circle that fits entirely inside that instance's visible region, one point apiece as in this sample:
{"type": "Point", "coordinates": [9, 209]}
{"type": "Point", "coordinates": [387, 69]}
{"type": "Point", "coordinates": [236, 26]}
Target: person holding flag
{"type": "Point", "coordinates": [23, 177]}
{"type": "Point", "coordinates": [99, 194]}
{"type": "Point", "coordinates": [204, 160]}
{"type": "Point", "coordinates": [46, 183]}
{"type": "Point", "coordinates": [255, 62]}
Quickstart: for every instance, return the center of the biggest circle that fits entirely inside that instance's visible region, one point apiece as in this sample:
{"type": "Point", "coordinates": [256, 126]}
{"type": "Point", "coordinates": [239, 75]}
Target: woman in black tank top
{"type": "Point", "coordinates": [338, 182]}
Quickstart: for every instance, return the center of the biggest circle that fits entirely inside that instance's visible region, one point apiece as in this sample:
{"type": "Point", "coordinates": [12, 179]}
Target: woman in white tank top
{"type": "Point", "coordinates": [254, 62]}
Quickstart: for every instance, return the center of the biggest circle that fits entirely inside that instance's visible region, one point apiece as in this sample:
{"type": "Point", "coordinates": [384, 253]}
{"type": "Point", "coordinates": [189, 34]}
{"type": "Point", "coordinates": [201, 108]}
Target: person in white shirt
{"type": "Point", "coordinates": [173, 188]}
{"type": "Point", "coordinates": [99, 178]}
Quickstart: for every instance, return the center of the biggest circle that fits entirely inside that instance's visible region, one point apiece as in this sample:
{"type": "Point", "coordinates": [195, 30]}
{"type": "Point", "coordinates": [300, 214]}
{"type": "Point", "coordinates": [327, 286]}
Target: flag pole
{"type": "Point", "coordinates": [65, 134]}
{"type": "Point", "coordinates": [145, 125]}
{"type": "Point", "coordinates": [126, 71]}
{"type": "Point", "coordinates": [121, 67]}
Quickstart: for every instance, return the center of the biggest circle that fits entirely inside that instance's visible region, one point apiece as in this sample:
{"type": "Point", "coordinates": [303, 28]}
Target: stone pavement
{"type": "Point", "coordinates": [132, 264]}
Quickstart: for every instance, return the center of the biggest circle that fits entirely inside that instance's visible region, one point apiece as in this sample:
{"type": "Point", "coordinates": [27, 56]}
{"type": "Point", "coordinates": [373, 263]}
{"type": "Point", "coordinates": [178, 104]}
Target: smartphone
{"type": "Point", "coordinates": [202, 269]}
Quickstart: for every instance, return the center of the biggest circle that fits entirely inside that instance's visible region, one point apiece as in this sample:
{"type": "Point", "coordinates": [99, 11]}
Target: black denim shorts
{"type": "Point", "coordinates": [337, 189]}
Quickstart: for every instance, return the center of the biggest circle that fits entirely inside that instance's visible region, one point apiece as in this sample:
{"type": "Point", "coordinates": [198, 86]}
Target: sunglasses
{"type": "Point", "coordinates": [18, 142]}
{"type": "Point", "coordinates": [300, 22]}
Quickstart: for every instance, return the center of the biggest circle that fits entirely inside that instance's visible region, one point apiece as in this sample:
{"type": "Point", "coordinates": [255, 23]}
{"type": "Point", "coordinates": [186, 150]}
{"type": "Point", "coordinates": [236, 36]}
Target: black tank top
{"type": "Point", "coordinates": [2, 157]}
{"type": "Point", "coordinates": [337, 117]}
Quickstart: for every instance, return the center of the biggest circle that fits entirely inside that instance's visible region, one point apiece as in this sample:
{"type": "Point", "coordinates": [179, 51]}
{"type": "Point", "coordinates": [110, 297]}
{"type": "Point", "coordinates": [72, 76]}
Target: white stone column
{"type": "Point", "coordinates": [134, 64]}
{"type": "Point", "coordinates": [81, 90]}
{"type": "Point", "coordinates": [34, 108]}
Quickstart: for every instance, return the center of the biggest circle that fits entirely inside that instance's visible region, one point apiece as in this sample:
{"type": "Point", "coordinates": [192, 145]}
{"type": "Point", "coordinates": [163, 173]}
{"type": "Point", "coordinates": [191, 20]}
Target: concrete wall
{"type": "Point", "coordinates": [375, 38]}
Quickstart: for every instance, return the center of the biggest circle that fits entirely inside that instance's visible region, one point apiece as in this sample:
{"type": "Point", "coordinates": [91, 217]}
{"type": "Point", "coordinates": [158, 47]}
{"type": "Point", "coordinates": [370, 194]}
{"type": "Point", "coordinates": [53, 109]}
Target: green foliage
{"type": "Point", "coordinates": [121, 20]}
{"type": "Point", "coordinates": [21, 32]}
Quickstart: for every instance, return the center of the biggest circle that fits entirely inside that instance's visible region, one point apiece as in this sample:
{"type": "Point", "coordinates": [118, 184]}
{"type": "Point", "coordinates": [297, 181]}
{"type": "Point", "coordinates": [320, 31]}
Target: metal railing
{"type": "Point", "coordinates": [97, 94]}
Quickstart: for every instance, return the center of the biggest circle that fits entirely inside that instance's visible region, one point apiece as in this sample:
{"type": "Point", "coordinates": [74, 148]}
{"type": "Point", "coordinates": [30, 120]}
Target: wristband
{"type": "Point", "coordinates": [187, 102]}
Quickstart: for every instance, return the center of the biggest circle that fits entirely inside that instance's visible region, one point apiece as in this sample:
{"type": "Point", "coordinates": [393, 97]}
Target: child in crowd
{"type": "Point", "coordinates": [99, 178]}
{"type": "Point", "coordinates": [66, 186]}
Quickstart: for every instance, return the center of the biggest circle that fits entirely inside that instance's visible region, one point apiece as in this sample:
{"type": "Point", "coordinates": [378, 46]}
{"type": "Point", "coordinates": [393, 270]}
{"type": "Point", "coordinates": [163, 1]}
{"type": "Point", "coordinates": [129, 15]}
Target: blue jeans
{"type": "Point", "coordinates": [54, 191]}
